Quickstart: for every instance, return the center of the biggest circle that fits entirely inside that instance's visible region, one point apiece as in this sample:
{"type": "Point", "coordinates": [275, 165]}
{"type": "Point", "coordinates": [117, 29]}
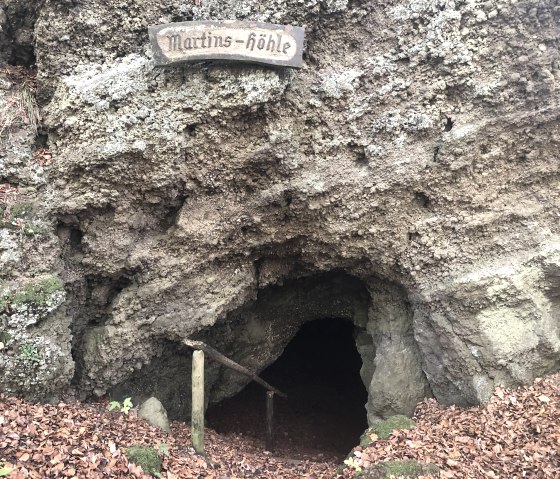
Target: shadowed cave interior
{"type": "Point", "coordinates": [325, 411]}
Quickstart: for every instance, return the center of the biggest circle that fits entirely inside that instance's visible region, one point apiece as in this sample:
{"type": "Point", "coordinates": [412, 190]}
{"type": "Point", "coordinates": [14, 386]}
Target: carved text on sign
{"type": "Point", "coordinates": [235, 41]}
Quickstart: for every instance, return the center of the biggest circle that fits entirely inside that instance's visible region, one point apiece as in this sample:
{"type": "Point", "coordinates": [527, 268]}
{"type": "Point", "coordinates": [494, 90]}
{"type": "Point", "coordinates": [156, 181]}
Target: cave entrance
{"type": "Point", "coordinates": [318, 338]}
{"type": "Point", "coordinates": [325, 411]}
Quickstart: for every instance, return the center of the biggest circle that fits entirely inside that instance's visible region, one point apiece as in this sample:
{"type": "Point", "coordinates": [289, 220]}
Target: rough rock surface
{"type": "Point", "coordinates": [415, 156]}
{"type": "Point", "coordinates": [35, 338]}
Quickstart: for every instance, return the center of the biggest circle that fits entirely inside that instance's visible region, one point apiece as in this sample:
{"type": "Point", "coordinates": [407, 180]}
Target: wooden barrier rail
{"type": "Point", "coordinates": [197, 412]}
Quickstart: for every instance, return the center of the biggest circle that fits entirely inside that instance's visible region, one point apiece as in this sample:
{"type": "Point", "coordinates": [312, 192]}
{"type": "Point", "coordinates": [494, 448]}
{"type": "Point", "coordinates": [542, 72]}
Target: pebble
{"type": "Point", "coordinates": [481, 16]}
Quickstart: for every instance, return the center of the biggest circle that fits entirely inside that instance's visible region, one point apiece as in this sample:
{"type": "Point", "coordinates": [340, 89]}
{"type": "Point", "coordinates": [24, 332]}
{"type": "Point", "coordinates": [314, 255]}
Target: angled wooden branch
{"type": "Point", "coordinates": [217, 356]}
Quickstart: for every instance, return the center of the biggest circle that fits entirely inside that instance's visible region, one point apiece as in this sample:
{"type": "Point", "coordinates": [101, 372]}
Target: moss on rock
{"type": "Point", "coordinates": [404, 469]}
{"type": "Point", "coordinates": [20, 210]}
{"type": "Point", "coordinates": [34, 292]}
{"type": "Point", "coordinates": [145, 457]}
{"type": "Point", "coordinates": [384, 428]}
{"type": "Point", "coordinates": [5, 336]}
{"type": "Point", "coordinates": [367, 437]}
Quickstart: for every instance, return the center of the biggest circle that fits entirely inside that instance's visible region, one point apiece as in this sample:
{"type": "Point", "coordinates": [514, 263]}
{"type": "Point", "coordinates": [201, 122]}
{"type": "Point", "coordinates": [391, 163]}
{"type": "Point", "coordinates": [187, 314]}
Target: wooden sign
{"type": "Point", "coordinates": [237, 41]}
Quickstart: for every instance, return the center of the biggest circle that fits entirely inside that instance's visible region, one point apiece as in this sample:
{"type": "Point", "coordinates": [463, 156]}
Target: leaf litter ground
{"type": "Point", "coordinates": [517, 435]}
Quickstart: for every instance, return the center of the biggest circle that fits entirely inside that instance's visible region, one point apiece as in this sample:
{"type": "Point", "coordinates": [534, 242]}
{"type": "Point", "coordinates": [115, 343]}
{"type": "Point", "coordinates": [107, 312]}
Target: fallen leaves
{"type": "Point", "coordinates": [506, 439]}
{"type": "Point", "coordinates": [514, 436]}
{"type": "Point", "coordinates": [42, 156]}
{"type": "Point", "coordinates": [85, 441]}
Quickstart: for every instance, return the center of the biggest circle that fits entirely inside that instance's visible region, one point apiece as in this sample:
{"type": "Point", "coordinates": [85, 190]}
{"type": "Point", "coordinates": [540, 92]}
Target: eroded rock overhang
{"type": "Point", "coordinates": [418, 146]}
{"type": "Point", "coordinates": [256, 334]}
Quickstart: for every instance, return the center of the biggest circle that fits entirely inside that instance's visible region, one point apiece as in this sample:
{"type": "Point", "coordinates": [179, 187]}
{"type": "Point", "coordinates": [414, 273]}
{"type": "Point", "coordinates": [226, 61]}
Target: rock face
{"type": "Point", "coordinates": [407, 179]}
{"type": "Point", "coordinates": [35, 336]}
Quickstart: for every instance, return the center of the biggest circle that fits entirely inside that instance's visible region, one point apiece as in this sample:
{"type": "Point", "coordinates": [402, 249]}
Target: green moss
{"type": "Point", "coordinates": [33, 230]}
{"type": "Point", "coordinates": [4, 336]}
{"type": "Point", "coordinates": [340, 470]}
{"type": "Point", "coordinates": [383, 429]}
{"type": "Point", "coordinates": [405, 469]}
{"type": "Point", "coordinates": [7, 225]}
{"type": "Point", "coordinates": [365, 438]}
{"type": "Point", "coordinates": [20, 210]}
{"type": "Point", "coordinates": [18, 216]}
{"type": "Point", "coordinates": [28, 352]}
{"type": "Point", "coordinates": [28, 228]}
{"type": "Point", "coordinates": [35, 292]}
{"type": "Point", "coordinates": [145, 457]}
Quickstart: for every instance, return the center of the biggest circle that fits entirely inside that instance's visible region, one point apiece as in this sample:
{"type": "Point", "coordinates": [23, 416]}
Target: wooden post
{"type": "Point", "coordinates": [197, 411]}
{"type": "Point", "coordinates": [270, 421]}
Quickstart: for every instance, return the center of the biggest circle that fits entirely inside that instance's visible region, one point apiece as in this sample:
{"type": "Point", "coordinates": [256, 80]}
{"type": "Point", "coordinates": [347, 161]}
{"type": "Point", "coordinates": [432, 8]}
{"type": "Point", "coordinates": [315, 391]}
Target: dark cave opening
{"type": "Point", "coordinates": [325, 412]}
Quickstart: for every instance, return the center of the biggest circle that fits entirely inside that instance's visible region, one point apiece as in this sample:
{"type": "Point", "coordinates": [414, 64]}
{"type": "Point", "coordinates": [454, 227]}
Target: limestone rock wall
{"type": "Point", "coordinates": [35, 336]}
{"type": "Point", "coordinates": [417, 146]}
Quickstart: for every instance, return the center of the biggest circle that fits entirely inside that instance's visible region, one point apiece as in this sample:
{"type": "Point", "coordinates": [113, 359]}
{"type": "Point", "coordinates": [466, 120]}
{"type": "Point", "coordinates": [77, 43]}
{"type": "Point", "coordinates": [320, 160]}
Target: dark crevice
{"type": "Point", "coordinates": [75, 237]}
{"type": "Point", "coordinates": [41, 140]}
{"type": "Point", "coordinates": [24, 56]}
{"type": "Point", "coordinates": [288, 198]}
{"type": "Point", "coordinates": [17, 46]}
{"type": "Point", "coordinates": [70, 237]}
{"type": "Point", "coordinates": [422, 199]}
{"type": "Point", "coordinates": [175, 15]}
{"type": "Point", "coordinates": [449, 124]}
{"type": "Point", "coordinates": [190, 130]}
{"type": "Point", "coordinates": [359, 153]}
{"type": "Point", "coordinates": [102, 292]}
{"type": "Point", "coordinates": [413, 236]}
{"type": "Point", "coordinates": [171, 211]}
{"type": "Point", "coordinates": [361, 158]}
{"type": "Point", "coordinates": [436, 152]}
{"type": "Point", "coordinates": [91, 302]}
{"type": "Point", "coordinates": [552, 286]}
{"type": "Point", "coordinates": [90, 297]}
